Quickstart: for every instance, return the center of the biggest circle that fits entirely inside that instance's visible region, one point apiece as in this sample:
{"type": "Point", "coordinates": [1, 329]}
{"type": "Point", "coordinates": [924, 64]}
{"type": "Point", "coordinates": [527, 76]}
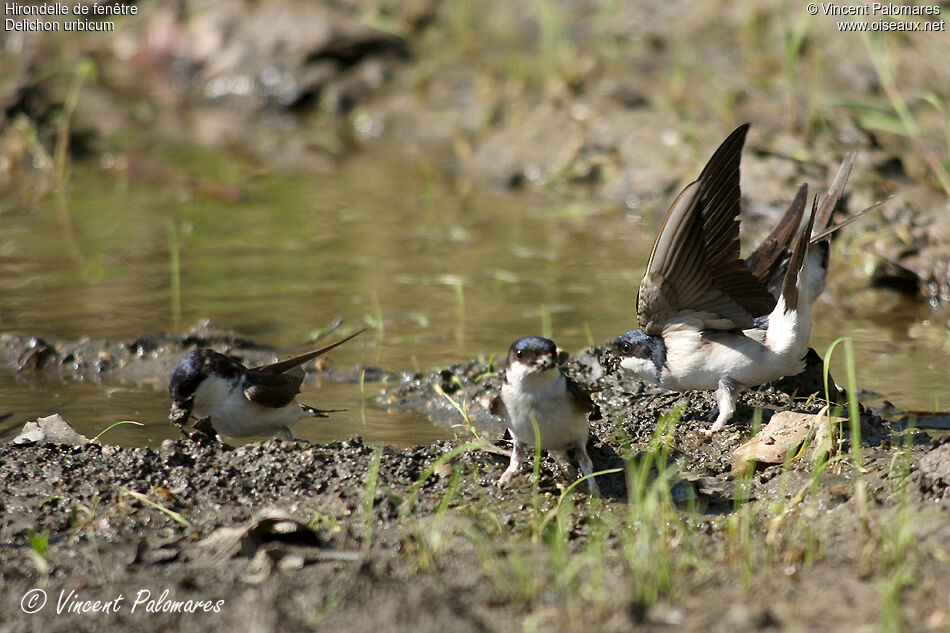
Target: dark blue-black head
{"type": "Point", "coordinates": [636, 345]}
{"type": "Point", "coordinates": [190, 372]}
{"type": "Point", "coordinates": [533, 351]}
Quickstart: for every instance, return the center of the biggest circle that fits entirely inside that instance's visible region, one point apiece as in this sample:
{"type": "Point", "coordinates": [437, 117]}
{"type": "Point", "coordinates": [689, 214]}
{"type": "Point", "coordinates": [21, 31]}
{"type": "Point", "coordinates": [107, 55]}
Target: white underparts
{"type": "Point", "coordinates": [538, 401]}
{"type": "Point", "coordinates": [233, 415]}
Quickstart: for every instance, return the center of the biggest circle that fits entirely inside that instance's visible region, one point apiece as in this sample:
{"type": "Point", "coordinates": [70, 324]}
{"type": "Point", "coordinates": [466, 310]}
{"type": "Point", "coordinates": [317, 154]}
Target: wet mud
{"type": "Point", "coordinates": [149, 358]}
{"type": "Point", "coordinates": [346, 535]}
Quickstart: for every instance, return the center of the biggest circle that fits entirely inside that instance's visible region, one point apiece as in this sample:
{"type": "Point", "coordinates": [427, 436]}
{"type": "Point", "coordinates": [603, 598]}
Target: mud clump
{"type": "Point", "coordinates": [148, 356]}
{"type": "Point", "coordinates": [935, 470]}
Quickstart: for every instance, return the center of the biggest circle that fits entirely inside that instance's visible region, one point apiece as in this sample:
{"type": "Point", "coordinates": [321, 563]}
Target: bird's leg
{"type": "Point", "coordinates": [726, 396]}
{"type": "Point", "coordinates": [586, 466]}
{"type": "Point", "coordinates": [517, 451]}
{"type": "Point", "coordinates": [288, 434]}
{"type": "Point", "coordinates": [203, 426]}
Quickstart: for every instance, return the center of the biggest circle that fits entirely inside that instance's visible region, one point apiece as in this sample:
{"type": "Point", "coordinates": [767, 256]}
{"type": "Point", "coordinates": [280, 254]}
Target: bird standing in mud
{"type": "Point", "coordinates": [235, 401]}
{"type": "Point", "coordinates": [537, 395]}
{"type": "Point", "coordinates": [707, 318]}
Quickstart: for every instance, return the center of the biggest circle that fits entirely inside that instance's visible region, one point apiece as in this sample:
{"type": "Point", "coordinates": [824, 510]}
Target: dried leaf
{"type": "Point", "coordinates": [781, 438]}
{"type": "Point", "coordinates": [53, 429]}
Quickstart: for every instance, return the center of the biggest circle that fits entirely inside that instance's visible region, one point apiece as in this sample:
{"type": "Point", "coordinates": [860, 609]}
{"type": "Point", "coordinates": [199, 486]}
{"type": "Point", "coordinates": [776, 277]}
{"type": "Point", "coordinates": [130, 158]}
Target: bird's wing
{"type": "Point", "coordinates": [695, 263]}
{"type": "Point", "coordinates": [830, 200]}
{"type": "Point", "coordinates": [790, 283]}
{"type": "Point", "coordinates": [270, 389]}
{"type": "Point", "coordinates": [497, 406]}
{"type": "Point", "coordinates": [579, 395]}
{"type": "Point", "coordinates": [581, 399]}
{"type": "Point", "coordinates": [778, 243]}
{"type": "Point", "coordinates": [281, 366]}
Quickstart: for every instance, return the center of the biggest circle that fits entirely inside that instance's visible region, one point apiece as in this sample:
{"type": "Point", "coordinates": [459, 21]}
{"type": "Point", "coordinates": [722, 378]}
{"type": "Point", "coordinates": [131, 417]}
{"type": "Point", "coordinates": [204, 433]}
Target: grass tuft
{"type": "Point", "coordinates": [112, 426]}
{"type": "Point", "coordinates": [174, 516]}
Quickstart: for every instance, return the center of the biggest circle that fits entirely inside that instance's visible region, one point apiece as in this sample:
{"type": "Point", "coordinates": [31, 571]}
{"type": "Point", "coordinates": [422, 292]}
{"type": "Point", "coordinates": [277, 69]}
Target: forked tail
{"type": "Point", "coordinates": [319, 413]}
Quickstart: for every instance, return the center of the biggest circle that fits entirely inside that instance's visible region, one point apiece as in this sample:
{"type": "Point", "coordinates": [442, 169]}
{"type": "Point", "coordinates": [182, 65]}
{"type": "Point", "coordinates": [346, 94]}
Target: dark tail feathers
{"type": "Point", "coordinates": [790, 283]}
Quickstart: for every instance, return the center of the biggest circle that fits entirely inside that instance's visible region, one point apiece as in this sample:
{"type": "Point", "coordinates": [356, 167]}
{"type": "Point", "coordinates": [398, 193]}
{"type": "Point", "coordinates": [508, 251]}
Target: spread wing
{"type": "Point", "coordinates": [777, 244]}
{"type": "Point", "coordinates": [695, 263]}
{"type": "Point", "coordinates": [830, 201]}
{"type": "Point", "coordinates": [270, 389]}
{"type": "Point", "coordinates": [770, 260]}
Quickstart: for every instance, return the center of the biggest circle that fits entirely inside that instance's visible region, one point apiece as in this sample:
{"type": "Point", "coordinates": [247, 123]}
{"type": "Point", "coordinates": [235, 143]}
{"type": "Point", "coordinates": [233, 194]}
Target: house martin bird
{"type": "Point", "coordinates": [707, 318]}
{"type": "Point", "coordinates": [239, 402]}
{"type": "Point", "coordinates": [536, 394]}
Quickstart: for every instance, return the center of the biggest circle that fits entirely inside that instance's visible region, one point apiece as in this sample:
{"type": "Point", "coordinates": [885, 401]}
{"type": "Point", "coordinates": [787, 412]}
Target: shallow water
{"type": "Point", "coordinates": [450, 273]}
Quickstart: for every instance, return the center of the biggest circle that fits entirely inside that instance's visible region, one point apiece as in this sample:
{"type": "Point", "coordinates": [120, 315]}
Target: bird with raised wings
{"type": "Point", "coordinates": [707, 317]}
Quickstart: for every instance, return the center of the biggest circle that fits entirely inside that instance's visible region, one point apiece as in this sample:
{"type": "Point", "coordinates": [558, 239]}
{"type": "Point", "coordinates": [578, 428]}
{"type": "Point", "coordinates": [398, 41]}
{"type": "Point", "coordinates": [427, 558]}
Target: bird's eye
{"type": "Point", "coordinates": [626, 348]}
{"type": "Point", "coordinates": [519, 353]}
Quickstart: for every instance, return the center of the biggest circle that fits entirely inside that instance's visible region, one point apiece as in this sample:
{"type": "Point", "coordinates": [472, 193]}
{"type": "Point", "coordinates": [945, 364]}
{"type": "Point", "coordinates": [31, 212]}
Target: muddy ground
{"type": "Point", "coordinates": [276, 535]}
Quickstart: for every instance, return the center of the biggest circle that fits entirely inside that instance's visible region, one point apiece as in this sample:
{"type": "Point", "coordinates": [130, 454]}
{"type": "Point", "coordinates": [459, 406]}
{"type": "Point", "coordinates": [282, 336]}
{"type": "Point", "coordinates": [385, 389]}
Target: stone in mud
{"type": "Point", "coordinates": [935, 469]}
{"type": "Point", "coordinates": [270, 526]}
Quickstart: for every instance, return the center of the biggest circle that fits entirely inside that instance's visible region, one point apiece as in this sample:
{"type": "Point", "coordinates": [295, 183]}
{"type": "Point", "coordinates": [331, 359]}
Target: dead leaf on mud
{"type": "Point", "coordinates": [272, 538]}
{"type": "Point", "coordinates": [785, 433]}
{"type": "Point", "coordinates": [53, 429]}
